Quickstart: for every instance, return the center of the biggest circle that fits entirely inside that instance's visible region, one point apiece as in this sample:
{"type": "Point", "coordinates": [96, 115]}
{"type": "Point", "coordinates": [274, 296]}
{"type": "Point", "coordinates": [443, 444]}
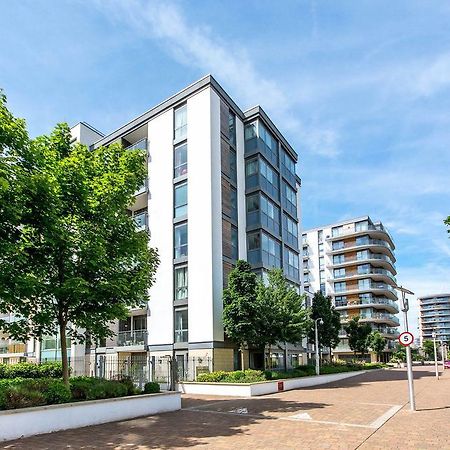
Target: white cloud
{"type": "Point", "coordinates": [195, 46]}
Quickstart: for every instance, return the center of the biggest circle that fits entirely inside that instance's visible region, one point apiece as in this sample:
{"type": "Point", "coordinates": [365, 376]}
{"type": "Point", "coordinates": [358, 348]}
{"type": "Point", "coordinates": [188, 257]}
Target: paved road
{"type": "Point", "coordinates": [369, 411]}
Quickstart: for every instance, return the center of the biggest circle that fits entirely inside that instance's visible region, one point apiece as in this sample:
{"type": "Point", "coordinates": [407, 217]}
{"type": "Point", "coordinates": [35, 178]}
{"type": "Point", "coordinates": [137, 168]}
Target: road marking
{"type": "Point", "coordinates": [301, 416]}
{"type": "Point", "coordinates": [239, 411]}
{"type": "Point", "coordinates": [327, 422]}
{"type": "Point", "coordinates": [377, 423]}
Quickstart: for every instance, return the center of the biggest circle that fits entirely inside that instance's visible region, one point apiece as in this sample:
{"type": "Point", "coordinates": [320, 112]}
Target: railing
{"type": "Point", "coordinates": [338, 232]}
{"type": "Point", "coordinates": [181, 335]}
{"type": "Point", "coordinates": [366, 242]}
{"type": "Point", "coordinates": [142, 188]}
{"type": "Point", "coordinates": [373, 271]}
{"type": "Point", "coordinates": [365, 286]}
{"type": "Point", "coordinates": [384, 316]}
{"type": "Point", "coordinates": [365, 258]}
{"type": "Point", "coordinates": [126, 338]}
{"type": "Point", "coordinates": [139, 145]}
{"type": "Point", "coordinates": [141, 221]}
{"type": "Point", "coordinates": [368, 301]}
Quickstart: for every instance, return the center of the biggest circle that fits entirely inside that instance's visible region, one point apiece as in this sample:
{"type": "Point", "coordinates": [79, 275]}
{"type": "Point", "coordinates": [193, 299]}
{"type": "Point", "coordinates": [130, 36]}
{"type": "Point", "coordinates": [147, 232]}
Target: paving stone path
{"type": "Point", "coordinates": [369, 411]}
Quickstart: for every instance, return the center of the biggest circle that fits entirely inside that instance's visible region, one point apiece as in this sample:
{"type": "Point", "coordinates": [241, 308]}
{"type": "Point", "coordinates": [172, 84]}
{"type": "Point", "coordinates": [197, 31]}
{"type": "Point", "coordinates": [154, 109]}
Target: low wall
{"type": "Point", "coordinates": [17, 423]}
{"type": "Point", "coordinates": [264, 387]}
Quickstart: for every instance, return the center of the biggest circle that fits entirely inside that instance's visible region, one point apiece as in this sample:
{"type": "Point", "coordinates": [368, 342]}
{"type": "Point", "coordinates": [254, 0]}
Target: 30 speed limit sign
{"type": "Point", "coordinates": [406, 338]}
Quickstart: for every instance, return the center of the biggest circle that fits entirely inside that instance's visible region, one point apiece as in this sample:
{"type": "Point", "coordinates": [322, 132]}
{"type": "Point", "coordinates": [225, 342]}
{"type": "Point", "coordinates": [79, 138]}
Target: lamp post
{"type": "Point", "coordinates": [405, 308]}
{"type": "Point", "coordinates": [316, 331]}
{"type": "Point", "coordinates": [433, 335]}
{"type": "Point", "coordinates": [443, 355]}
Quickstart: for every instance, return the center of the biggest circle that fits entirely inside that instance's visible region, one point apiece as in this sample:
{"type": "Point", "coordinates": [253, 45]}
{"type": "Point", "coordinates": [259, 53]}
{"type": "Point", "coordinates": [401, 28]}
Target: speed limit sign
{"type": "Point", "coordinates": [406, 338]}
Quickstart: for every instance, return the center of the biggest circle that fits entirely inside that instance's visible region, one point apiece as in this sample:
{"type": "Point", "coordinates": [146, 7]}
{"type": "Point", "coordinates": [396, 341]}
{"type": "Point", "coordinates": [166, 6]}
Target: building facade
{"type": "Point", "coordinates": [353, 262]}
{"type": "Point", "coordinates": [221, 186]}
{"type": "Point", "coordinates": [434, 316]}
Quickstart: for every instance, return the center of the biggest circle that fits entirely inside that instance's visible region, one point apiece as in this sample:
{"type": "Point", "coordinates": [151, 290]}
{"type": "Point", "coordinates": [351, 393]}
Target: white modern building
{"type": "Point", "coordinates": [434, 316]}
{"type": "Point", "coordinates": [353, 262]}
{"type": "Point", "coordinates": [221, 186]}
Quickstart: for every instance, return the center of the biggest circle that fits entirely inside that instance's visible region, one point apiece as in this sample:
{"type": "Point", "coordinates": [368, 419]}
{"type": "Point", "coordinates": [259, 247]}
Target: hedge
{"type": "Point", "coordinates": [254, 376]}
{"type": "Point", "coordinates": [29, 370]}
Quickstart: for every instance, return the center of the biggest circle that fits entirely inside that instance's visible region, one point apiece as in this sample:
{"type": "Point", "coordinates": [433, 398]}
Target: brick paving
{"type": "Point", "coordinates": [369, 411]}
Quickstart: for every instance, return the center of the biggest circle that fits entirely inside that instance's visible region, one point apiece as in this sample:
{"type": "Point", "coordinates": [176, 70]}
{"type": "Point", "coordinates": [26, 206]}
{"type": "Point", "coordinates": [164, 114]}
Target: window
{"type": "Point", "coordinates": [234, 243]}
{"type": "Point", "coordinates": [338, 245]}
{"type": "Point", "coordinates": [361, 226]}
{"type": "Point", "coordinates": [364, 268]}
{"type": "Point", "coordinates": [338, 259]}
{"type": "Point", "coordinates": [306, 264]}
{"type": "Point", "coordinates": [233, 170]}
{"type": "Point", "coordinates": [250, 131]}
{"type": "Point", "coordinates": [139, 323]}
{"type": "Point", "coordinates": [364, 284]}
{"type": "Point", "coordinates": [233, 203]}
{"type": "Point", "coordinates": [254, 241]}
{"type": "Point", "coordinates": [253, 203]}
{"type": "Point", "coordinates": [362, 240]}
{"type": "Point", "coordinates": [181, 283]}
{"type": "Point", "coordinates": [322, 288]}
{"type": "Point", "coordinates": [322, 276]}
{"type": "Point", "coordinates": [232, 128]}
{"type": "Point", "coordinates": [181, 123]}
{"type": "Point", "coordinates": [270, 143]}
{"type": "Point", "coordinates": [180, 163]}
{"type": "Point", "coordinates": [271, 252]}
{"type": "Point", "coordinates": [290, 198]}
{"type": "Point", "coordinates": [270, 215]}
{"type": "Point", "coordinates": [291, 230]}
{"type": "Point", "coordinates": [251, 168]}
{"type": "Point", "coordinates": [339, 273]}
{"type": "Point", "coordinates": [181, 240]}
{"type": "Point", "coordinates": [140, 219]}
{"type": "Point", "coordinates": [291, 263]}
{"type": "Point", "coordinates": [340, 300]}
{"type": "Point", "coordinates": [181, 325]}
{"type": "Point", "coordinates": [321, 248]}
{"type": "Point", "coordinates": [180, 200]}
{"type": "Point", "coordinates": [320, 236]}
{"type": "Point", "coordinates": [337, 231]}
{"type": "Point", "coordinates": [362, 255]}
{"type": "Point", "coordinates": [321, 262]}
{"type": "Point", "coordinates": [269, 179]}
{"type": "Point", "coordinates": [340, 287]}
{"type": "Point", "coordinates": [288, 166]}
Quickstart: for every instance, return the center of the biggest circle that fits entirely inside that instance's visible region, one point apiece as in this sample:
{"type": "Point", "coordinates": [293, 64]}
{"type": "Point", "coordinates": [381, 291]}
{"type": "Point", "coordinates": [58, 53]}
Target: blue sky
{"type": "Point", "coordinates": [360, 89]}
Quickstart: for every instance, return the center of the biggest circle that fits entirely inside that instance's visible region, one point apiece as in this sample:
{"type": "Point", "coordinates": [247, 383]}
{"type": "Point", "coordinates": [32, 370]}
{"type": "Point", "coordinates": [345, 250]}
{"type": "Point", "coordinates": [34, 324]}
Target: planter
{"type": "Point", "coordinates": [263, 387]}
{"type": "Point", "coordinates": [17, 423]}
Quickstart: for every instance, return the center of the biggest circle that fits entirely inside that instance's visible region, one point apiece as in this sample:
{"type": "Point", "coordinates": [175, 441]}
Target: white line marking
{"type": "Point", "coordinates": [326, 422]}
{"type": "Point", "coordinates": [377, 423]}
{"type": "Point", "coordinates": [301, 416]}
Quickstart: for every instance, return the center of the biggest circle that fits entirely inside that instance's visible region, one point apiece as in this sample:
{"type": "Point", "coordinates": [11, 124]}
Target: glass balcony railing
{"type": "Point", "coordinates": [127, 338]}
{"type": "Point", "coordinates": [364, 286]}
{"type": "Point", "coordinates": [383, 316]}
{"type": "Point", "coordinates": [181, 335]}
{"type": "Point", "coordinates": [359, 243]}
{"type": "Point", "coordinates": [360, 258]}
{"type": "Point", "coordinates": [372, 270]}
{"type": "Point", "coordinates": [139, 145]}
{"type": "Point", "coordinates": [338, 232]}
{"type": "Point", "coordinates": [367, 301]}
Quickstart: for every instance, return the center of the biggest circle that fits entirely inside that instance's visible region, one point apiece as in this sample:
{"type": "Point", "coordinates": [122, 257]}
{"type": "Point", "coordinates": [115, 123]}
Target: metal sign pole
{"type": "Point", "coordinates": [435, 356]}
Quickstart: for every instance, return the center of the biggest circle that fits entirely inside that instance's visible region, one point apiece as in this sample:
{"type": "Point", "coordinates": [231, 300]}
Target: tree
{"type": "Point", "coordinates": [70, 256]}
{"type": "Point", "coordinates": [357, 335]}
{"type": "Point", "coordinates": [447, 222]}
{"type": "Point", "coordinates": [322, 307]}
{"type": "Point", "coordinates": [428, 348]}
{"type": "Point", "coordinates": [285, 318]}
{"type": "Point", "coordinates": [242, 313]}
{"type": "Point", "coordinates": [376, 343]}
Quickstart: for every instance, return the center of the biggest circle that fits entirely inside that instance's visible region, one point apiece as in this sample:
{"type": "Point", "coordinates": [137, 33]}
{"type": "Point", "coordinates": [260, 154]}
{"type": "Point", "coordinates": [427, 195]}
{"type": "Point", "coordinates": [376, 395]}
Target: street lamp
{"type": "Point", "coordinates": [316, 331]}
{"type": "Point", "coordinates": [433, 335]}
{"type": "Point", "coordinates": [405, 308]}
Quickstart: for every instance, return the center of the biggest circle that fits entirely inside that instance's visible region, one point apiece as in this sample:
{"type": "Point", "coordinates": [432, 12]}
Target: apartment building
{"type": "Point", "coordinates": [434, 316]}
{"type": "Point", "coordinates": [353, 261]}
{"type": "Point", "coordinates": [221, 186]}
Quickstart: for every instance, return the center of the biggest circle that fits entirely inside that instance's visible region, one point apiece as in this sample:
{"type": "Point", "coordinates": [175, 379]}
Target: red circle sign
{"type": "Point", "coordinates": [406, 338]}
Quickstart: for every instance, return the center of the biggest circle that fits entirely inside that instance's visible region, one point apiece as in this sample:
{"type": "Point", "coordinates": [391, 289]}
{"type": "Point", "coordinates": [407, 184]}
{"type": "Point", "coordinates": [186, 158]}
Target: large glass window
{"type": "Point", "coordinates": [232, 128]}
{"type": "Point", "coordinates": [181, 240]}
{"type": "Point", "coordinates": [181, 123]}
{"type": "Point", "coordinates": [233, 203]}
{"type": "Point", "coordinates": [181, 283]}
{"type": "Point", "coordinates": [291, 263]}
{"type": "Point", "coordinates": [250, 131]}
{"type": "Point", "coordinates": [338, 245]}
{"type": "Point", "coordinates": [338, 259]}
{"type": "Point", "coordinates": [340, 287]}
{"type": "Point", "coordinates": [233, 170]}
{"type": "Point", "coordinates": [269, 181]}
{"type": "Point", "coordinates": [291, 230]}
{"type": "Point", "coordinates": [270, 215]}
{"type": "Point", "coordinates": [181, 325]}
{"type": "Point", "coordinates": [287, 166]}
{"type": "Point", "coordinates": [271, 252]}
{"type": "Point", "coordinates": [180, 200]}
{"type": "Point", "coordinates": [322, 263]}
{"type": "Point", "coordinates": [180, 163]}
{"type": "Point", "coordinates": [339, 273]}
{"type": "Point", "coordinates": [234, 243]}
{"type": "Point", "coordinates": [290, 199]}
{"type": "Point", "coordinates": [270, 142]}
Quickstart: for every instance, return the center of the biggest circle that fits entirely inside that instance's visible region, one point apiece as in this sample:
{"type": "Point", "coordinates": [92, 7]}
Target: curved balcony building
{"type": "Point", "coordinates": [354, 263]}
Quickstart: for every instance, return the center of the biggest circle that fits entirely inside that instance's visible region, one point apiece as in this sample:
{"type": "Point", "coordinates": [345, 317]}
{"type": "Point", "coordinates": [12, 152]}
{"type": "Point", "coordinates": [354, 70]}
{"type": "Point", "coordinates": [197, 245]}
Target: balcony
{"type": "Point", "coordinates": [377, 230]}
{"type": "Point", "coordinates": [141, 221]}
{"type": "Point", "coordinates": [361, 273]}
{"type": "Point", "coordinates": [374, 317]}
{"type": "Point", "coordinates": [367, 287]}
{"type": "Point", "coordinates": [139, 145]}
{"type": "Point", "coordinates": [372, 258]}
{"type": "Point", "coordinates": [12, 347]}
{"type": "Point", "coordinates": [143, 189]}
{"type": "Point", "coordinates": [131, 338]}
{"type": "Point", "coordinates": [374, 302]}
{"type": "Point", "coordinates": [354, 245]}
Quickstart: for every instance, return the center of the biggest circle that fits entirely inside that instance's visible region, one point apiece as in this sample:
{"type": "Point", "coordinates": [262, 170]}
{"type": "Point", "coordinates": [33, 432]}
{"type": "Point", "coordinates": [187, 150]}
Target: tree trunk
{"type": "Point", "coordinates": [242, 357]}
{"type": "Point", "coordinates": [269, 359]}
{"type": "Point", "coordinates": [64, 359]}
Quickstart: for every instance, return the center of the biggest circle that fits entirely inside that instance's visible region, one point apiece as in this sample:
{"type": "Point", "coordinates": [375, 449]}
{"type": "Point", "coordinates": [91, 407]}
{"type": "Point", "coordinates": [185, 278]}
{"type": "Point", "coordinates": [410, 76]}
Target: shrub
{"type": "Point", "coordinates": [131, 388]}
{"type": "Point", "coordinates": [55, 391]}
{"type": "Point", "coordinates": [87, 388]}
{"type": "Point", "coordinates": [21, 396]}
{"type": "Point", "coordinates": [30, 370]}
{"type": "Point", "coordinates": [213, 377]}
{"type": "Point", "coordinates": [151, 388]}
{"type": "Point", "coordinates": [238, 376]}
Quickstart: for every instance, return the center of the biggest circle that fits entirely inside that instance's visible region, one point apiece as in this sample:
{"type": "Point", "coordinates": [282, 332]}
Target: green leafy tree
{"type": "Point", "coordinates": [447, 222]}
{"type": "Point", "coordinates": [376, 343]}
{"type": "Point", "coordinates": [357, 335]}
{"type": "Point", "coordinates": [242, 312]}
{"type": "Point", "coordinates": [70, 256]}
{"type": "Point", "coordinates": [285, 318]}
{"type": "Point", "coordinates": [322, 307]}
{"type": "Point", "coordinates": [428, 348]}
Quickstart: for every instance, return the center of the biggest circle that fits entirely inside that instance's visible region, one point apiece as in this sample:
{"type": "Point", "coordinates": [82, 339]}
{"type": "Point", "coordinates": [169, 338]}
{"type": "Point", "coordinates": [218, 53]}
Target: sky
{"type": "Point", "coordinates": [361, 90]}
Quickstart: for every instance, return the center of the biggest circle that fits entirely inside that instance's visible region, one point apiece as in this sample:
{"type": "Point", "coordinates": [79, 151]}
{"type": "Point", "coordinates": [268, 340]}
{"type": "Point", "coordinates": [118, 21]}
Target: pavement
{"type": "Point", "coordinates": [369, 411]}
